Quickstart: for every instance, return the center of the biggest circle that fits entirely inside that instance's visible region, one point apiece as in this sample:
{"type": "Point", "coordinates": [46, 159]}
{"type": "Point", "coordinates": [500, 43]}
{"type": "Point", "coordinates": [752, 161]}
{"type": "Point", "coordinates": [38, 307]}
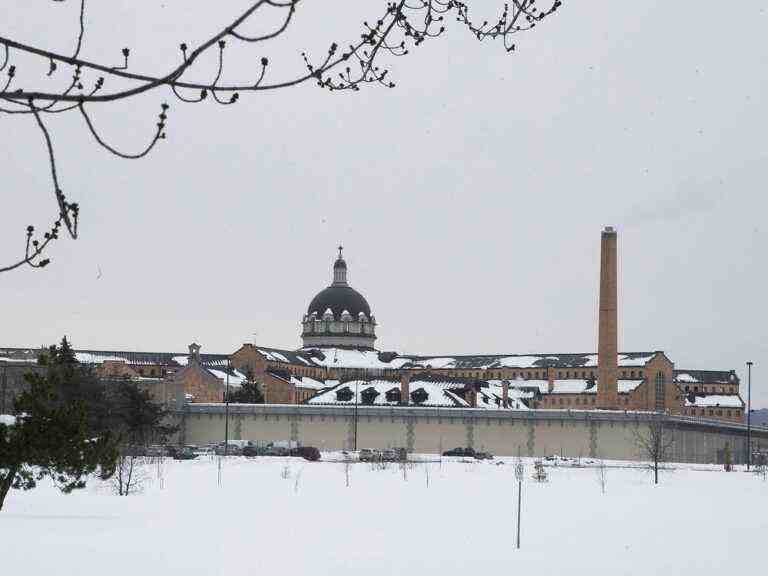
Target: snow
{"type": "Point", "coordinates": [88, 358]}
{"type": "Point", "coordinates": [628, 385]}
{"type": "Point", "coordinates": [307, 382]}
{"type": "Point", "coordinates": [18, 360]}
{"type": "Point", "coordinates": [181, 360]}
{"type": "Point", "coordinates": [279, 356]}
{"type": "Point", "coordinates": [339, 357]}
{"type": "Point", "coordinates": [235, 377]}
{"type": "Point", "coordinates": [716, 400]}
{"type": "Point", "coordinates": [258, 521]}
{"type": "Point", "coordinates": [572, 387]}
{"type": "Point", "coordinates": [7, 419]}
{"type": "Point", "coordinates": [439, 393]}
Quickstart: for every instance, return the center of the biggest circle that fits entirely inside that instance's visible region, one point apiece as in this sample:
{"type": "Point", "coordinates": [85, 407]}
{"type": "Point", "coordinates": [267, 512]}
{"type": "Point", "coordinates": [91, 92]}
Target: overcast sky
{"type": "Point", "coordinates": [469, 199]}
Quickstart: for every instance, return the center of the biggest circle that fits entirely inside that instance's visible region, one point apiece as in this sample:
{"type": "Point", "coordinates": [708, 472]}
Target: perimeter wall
{"type": "Point", "coordinates": [597, 434]}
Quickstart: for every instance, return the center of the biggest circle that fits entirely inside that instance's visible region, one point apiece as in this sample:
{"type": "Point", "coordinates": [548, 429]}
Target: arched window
{"type": "Point", "coordinates": [660, 388]}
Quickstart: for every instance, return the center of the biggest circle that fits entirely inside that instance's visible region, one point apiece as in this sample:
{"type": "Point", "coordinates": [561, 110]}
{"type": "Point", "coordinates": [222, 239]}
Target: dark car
{"type": "Point", "coordinates": [307, 452]}
{"type": "Point", "coordinates": [470, 452]}
{"type": "Point", "coordinates": [251, 450]}
{"type": "Point", "coordinates": [186, 453]}
{"type": "Point", "coordinates": [483, 455]}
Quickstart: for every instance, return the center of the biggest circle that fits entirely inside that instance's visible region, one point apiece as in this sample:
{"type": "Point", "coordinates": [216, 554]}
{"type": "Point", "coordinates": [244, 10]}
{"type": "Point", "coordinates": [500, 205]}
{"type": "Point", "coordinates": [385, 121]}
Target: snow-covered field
{"type": "Point", "coordinates": [287, 517]}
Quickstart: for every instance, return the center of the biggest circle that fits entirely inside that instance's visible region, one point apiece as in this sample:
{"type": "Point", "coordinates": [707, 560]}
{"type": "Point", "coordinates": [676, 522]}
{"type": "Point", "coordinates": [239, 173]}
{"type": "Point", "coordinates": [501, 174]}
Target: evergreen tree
{"type": "Point", "coordinates": [249, 391]}
{"type": "Point", "coordinates": [51, 438]}
{"type": "Point", "coordinates": [63, 427]}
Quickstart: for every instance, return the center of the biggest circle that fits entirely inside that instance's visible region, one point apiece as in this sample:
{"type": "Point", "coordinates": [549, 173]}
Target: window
{"type": "Point", "coordinates": [632, 374]}
{"type": "Point", "coordinates": [660, 387]}
{"type": "Point", "coordinates": [568, 374]}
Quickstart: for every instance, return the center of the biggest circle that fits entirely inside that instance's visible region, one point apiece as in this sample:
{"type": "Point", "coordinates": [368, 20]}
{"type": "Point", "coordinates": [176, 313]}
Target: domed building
{"type": "Point", "coordinates": [339, 316]}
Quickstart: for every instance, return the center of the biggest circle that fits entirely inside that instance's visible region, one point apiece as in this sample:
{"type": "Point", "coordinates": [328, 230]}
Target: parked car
{"type": "Point", "coordinates": [233, 448]}
{"type": "Point", "coordinates": [307, 452]}
{"type": "Point", "coordinates": [469, 452]}
{"type": "Point", "coordinates": [368, 455]}
{"type": "Point", "coordinates": [483, 455]}
{"type": "Point", "coordinates": [186, 453]}
{"type": "Point", "coordinates": [156, 450]}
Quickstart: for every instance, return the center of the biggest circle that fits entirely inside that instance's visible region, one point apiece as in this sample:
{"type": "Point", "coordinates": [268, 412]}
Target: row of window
{"type": "Point", "coordinates": [576, 401]}
{"type": "Point", "coordinates": [714, 389]}
{"type": "Point", "coordinates": [711, 412]}
{"type": "Point", "coordinates": [322, 326]}
{"type": "Point", "coordinates": [543, 374]}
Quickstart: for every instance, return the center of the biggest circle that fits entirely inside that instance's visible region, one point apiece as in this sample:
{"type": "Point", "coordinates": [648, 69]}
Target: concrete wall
{"type": "Point", "coordinates": [610, 435]}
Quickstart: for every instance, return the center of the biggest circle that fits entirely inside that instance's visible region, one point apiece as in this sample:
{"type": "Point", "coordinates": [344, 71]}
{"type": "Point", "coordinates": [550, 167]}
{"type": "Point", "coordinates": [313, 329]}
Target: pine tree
{"type": "Point", "coordinates": [62, 427]}
{"type": "Point", "coordinates": [51, 438]}
{"type": "Point", "coordinates": [249, 392]}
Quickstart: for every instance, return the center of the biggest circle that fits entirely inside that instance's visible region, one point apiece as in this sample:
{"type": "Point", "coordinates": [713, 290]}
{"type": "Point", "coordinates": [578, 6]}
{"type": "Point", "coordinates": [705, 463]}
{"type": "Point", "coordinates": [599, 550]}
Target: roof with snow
{"type": "Point", "coordinates": [714, 401]}
{"type": "Point", "coordinates": [217, 364]}
{"type": "Point", "coordinates": [706, 377]}
{"type": "Point", "coordinates": [448, 393]}
{"type": "Point", "coordinates": [576, 386]}
{"type": "Point", "coordinates": [372, 359]}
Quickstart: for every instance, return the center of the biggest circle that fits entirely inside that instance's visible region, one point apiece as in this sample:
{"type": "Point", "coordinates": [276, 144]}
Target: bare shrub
{"type": "Point", "coordinates": [131, 474]}
{"type": "Point", "coordinates": [602, 476]}
{"type": "Point", "coordinates": [655, 444]}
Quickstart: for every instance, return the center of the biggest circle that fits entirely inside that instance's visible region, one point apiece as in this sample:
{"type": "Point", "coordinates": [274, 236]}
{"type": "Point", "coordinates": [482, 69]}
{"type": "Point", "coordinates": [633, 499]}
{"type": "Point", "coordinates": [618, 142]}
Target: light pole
{"type": "Point", "coordinates": [226, 413]}
{"type": "Point", "coordinates": [357, 384]}
{"type": "Point", "coordinates": [749, 414]}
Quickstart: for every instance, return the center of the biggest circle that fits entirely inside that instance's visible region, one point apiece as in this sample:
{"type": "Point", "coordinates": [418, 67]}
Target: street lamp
{"type": "Point", "coordinates": [749, 414]}
{"type": "Point", "coordinates": [226, 412]}
{"type": "Point", "coordinates": [357, 384]}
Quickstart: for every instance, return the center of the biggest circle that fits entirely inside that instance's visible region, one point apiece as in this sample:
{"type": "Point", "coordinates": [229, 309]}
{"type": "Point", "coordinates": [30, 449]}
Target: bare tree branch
{"type": "Point", "coordinates": [403, 26]}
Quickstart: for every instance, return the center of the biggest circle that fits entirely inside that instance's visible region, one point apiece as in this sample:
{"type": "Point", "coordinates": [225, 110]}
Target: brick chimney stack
{"type": "Point", "coordinates": [405, 388]}
{"type": "Point", "coordinates": [505, 393]}
{"type": "Point", "coordinates": [607, 340]}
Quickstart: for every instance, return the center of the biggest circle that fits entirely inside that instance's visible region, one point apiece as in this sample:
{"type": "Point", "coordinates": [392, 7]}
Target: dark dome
{"type": "Point", "coordinates": [338, 299]}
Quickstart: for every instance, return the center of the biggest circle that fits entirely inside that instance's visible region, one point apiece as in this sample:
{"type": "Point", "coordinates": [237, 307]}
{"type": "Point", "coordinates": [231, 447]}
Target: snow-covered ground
{"type": "Point", "coordinates": [287, 517]}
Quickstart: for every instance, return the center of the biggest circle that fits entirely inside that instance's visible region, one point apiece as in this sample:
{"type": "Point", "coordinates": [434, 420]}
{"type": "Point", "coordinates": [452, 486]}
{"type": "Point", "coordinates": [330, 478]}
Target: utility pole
{"type": "Point", "coordinates": [5, 388]}
{"type": "Point", "coordinates": [226, 412]}
{"type": "Point", "coordinates": [749, 414]}
{"type": "Point", "coordinates": [357, 384]}
{"type": "Point", "coordinates": [519, 471]}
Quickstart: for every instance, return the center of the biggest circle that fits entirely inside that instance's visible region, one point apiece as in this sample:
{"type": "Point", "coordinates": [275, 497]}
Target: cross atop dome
{"type": "Point", "coordinates": [341, 249]}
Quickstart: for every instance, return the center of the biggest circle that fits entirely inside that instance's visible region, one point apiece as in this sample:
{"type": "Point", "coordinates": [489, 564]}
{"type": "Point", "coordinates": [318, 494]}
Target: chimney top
{"type": "Point", "coordinates": [609, 230]}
